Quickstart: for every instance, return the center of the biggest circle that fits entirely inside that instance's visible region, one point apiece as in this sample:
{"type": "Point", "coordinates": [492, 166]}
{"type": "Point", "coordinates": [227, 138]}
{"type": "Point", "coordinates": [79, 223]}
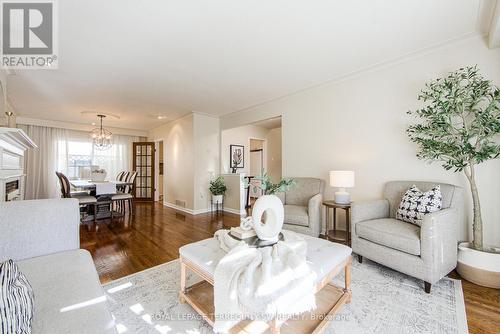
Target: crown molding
{"type": "Point", "coordinates": [77, 126]}
{"type": "Point", "coordinates": [374, 67]}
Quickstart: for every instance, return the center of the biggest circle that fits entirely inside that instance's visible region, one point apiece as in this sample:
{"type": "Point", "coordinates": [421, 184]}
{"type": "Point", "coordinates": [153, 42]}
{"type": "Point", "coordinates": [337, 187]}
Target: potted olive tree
{"type": "Point", "coordinates": [459, 127]}
{"type": "Point", "coordinates": [218, 189]}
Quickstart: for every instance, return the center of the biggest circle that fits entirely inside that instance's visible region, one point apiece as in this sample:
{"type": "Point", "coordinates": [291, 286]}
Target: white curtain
{"type": "Point", "coordinates": [72, 153]}
{"type": "Point", "coordinates": [42, 163]}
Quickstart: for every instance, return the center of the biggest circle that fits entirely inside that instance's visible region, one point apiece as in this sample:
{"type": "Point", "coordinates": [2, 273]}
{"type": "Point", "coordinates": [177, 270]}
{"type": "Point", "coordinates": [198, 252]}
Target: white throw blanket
{"type": "Point", "coordinates": [262, 283]}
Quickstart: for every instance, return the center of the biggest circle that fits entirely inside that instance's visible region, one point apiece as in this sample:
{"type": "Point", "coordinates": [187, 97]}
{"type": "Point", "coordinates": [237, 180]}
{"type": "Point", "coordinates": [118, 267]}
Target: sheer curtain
{"type": "Point", "coordinates": [72, 153]}
{"type": "Point", "coordinates": [42, 163]}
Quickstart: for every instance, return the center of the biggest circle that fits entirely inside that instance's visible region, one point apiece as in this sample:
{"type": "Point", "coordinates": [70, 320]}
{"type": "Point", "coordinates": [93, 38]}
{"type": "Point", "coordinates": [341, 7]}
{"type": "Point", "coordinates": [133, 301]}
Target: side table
{"type": "Point", "coordinates": [340, 236]}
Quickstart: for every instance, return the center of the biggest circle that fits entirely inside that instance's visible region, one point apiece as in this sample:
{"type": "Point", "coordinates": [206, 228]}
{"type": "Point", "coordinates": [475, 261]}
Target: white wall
{"type": "Point", "coordinates": [191, 156]}
{"type": "Point", "coordinates": [359, 123]}
{"type": "Point", "coordinates": [206, 141]}
{"type": "Point", "coordinates": [178, 153]}
{"type": "Point", "coordinates": [274, 154]}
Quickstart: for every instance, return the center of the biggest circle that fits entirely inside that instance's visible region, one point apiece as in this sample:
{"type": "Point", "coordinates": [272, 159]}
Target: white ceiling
{"type": "Point", "coordinates": [140, 59]}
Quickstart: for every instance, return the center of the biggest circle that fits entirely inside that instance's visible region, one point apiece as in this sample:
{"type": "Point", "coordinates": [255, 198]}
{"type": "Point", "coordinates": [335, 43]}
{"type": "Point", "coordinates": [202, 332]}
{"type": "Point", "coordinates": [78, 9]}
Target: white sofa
{"type": "Point", "coordinates": [42, 236]}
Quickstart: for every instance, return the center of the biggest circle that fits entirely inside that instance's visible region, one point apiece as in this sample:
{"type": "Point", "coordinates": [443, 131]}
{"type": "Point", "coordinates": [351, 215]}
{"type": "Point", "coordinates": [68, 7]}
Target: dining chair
{"type": "Point", "coordinates": [122, 198]}
{"type": "Point", "coordinates": [120, 176]}
{"type": "Point", "coordinates": [84, 199]}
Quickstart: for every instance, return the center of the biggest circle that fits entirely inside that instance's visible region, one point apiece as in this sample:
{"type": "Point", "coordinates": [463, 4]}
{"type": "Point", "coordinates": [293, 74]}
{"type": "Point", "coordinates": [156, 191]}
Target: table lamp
{"type": "Point", "coordinates": [342, 179]}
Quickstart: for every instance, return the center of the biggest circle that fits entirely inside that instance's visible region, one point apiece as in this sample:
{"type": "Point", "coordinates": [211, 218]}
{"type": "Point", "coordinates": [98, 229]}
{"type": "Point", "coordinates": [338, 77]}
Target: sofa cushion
{"type": "Point", "coordinates": [391, 233]}
{"type": "Point", "coordinates": [68, 295]}
{"type": "Point", "coordinates": [16, 300]}
{"type": "Point", "coordinates": [296, 215]}
{"type": "Point", "coordinates": [303, 190]}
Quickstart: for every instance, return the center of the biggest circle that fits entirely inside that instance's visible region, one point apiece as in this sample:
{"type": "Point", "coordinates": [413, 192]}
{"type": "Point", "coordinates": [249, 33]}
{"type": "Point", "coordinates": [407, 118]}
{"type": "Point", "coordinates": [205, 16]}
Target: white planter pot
{"type": "Point", "coordinates": [272, 207]}
{"type": "Point", "coordinates": [217, 199]}
{"type": "Point", "coordinates": [478, 267]}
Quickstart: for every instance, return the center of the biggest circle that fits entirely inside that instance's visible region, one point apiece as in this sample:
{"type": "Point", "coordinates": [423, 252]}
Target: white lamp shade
{"type": "Point", "coordinates": [342, 178]}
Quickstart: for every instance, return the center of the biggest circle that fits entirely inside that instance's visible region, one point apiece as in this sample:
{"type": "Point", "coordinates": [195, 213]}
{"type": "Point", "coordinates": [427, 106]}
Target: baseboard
{"type": "Point", "coordinates": [186, 210]}
{"type": "Point", "coordinates": [178, 208]}
{"type": "Point", "coordinates": [235, 212]}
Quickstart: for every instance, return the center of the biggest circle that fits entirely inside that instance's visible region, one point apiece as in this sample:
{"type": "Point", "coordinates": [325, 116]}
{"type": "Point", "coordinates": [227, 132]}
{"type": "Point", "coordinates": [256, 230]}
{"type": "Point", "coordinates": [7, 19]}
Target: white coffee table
{"type": "Point", "coordinates": [325, 258]}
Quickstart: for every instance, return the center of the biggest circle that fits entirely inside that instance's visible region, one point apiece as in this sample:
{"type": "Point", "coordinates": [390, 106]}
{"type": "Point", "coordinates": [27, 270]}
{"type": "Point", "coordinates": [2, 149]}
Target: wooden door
{"type": "Point", "coordinates": [144, 165]}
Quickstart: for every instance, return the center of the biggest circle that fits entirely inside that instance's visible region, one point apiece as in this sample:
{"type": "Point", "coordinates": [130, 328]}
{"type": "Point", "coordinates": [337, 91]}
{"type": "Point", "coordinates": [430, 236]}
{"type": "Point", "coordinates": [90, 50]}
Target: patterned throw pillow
{"type": "Point", "coordinates": [16, 300]}
{"type": "Point", "coordinates": [415, 204]}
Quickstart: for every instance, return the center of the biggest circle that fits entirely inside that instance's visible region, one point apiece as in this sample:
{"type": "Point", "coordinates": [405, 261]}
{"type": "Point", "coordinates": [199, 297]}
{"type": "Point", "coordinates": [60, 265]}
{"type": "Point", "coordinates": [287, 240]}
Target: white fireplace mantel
{"type": "Point", "coordinates": [13, 144]}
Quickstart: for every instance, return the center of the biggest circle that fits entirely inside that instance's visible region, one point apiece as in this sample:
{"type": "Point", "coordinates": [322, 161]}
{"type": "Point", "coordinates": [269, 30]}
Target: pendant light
{"type": "Point", "coordinates": [102, 138]}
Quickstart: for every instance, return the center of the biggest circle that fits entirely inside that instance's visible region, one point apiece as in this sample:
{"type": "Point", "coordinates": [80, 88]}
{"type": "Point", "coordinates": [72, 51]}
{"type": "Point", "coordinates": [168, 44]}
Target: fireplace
{"type": "Point", "coordinates": [13, 145]}
{"type": "Point", "coordinates": [13, 190]}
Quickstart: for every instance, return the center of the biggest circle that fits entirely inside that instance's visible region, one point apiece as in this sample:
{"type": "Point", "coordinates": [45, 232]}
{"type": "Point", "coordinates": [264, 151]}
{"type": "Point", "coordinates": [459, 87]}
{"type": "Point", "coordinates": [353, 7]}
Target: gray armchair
{"type": "Point", "coordinates": [428, 252]}
{"type": "Point", "coordinates": [303, 206]}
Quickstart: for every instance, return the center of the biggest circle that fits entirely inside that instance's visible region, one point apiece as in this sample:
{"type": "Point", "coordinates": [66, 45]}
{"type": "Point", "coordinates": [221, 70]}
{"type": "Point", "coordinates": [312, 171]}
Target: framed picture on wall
{"type": "Point", "coordinates": [237, 157]}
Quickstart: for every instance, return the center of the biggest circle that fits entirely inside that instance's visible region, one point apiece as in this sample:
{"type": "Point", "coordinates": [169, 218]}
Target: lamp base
{"type": "Point", "coordinates": [342, 197]}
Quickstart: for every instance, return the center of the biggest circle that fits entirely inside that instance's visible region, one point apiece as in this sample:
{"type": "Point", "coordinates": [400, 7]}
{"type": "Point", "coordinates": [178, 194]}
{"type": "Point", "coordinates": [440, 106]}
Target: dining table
{"type": "Point", "coordinates": [104, 208]}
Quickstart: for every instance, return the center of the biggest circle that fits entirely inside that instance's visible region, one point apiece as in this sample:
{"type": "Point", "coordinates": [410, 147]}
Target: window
{"type": "Point", "coordinates": [77, 155]}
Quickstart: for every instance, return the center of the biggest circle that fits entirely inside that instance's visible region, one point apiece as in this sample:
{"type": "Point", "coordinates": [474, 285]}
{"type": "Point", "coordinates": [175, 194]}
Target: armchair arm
{"type": "Point", "coordinates": [41, 227]}
{"type": "Point", "coordinates": [314, 211]}
{"type": "Point", "coordinates": [369, 210]}
{"type": "Point", "coordinates": [438, 235]}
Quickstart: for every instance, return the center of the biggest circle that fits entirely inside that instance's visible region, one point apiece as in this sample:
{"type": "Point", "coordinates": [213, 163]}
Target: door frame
{"type": "Point", "coordinates": [153, 169]}
{"type": "Point", "coordinates": [157, 169]}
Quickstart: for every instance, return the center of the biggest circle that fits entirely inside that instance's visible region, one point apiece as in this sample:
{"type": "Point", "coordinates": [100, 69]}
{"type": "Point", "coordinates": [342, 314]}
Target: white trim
{"type": "Point", "coordinates": [236, 212]}
{"type": "Point", "coordinates": [201, 211]}
{"type": "Point", "coordinates": [77, 126]}
{"type": "Point", "coordinates": [186, 210]}
{"type": "Point", "coordinates": [178, 208]}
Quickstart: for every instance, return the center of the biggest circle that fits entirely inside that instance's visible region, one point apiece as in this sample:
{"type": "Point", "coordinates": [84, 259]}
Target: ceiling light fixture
{"type": "Point", "coordinates": [102, 138]}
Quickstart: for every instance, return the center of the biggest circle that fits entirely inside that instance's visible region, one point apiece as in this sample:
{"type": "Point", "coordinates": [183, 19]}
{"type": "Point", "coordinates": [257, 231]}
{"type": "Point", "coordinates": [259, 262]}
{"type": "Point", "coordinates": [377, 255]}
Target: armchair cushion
{"type": "Point", "coordinates": [296, 215]}
{"type": "Point", "coordinates": [304, 189]}
{"type": "Point", "coordinates": [391, 233]}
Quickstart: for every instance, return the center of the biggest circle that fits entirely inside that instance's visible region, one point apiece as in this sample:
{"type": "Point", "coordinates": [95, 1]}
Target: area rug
{"type": "Point", "coordinates": [384, 301]}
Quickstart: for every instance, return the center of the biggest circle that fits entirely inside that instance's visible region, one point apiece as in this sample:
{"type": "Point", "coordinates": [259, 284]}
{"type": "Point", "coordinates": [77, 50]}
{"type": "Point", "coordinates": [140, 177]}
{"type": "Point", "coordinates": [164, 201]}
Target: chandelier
{"type": "Point", "coordinates": [102, 138]}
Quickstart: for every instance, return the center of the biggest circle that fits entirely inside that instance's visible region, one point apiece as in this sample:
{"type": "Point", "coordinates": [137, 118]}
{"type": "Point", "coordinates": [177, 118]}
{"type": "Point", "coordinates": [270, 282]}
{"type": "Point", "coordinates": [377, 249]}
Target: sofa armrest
{"type": "Point", "coordinates": [438, 235]}
{"type": "Point", "coordinates": [368, 210]}
{"type": "Point", "coordinates": [314, 212]}
{"type": "Point", "coordinates": [40, 227]}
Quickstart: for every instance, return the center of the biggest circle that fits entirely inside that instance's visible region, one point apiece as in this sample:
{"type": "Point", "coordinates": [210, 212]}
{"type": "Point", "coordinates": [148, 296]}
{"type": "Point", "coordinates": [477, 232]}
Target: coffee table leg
{"type": "Point", "coordinates": [347, 288]}
{"type": "Point", "coordinates": [275, 327]}
{"type": "Point", "coordinates": [182, 300]}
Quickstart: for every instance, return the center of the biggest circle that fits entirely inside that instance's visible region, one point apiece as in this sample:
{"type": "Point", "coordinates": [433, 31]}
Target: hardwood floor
{"type": "Point", "coordinates": [155, 233]}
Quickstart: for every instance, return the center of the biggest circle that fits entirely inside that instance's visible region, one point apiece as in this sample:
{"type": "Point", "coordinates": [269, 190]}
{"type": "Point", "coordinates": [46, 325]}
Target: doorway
{"type": "Point", "coordinates": [144, 164]}
{"type": "Point", "coordinates": [257, 165]}
{"type": "Point", "coordinates": [160, 171]}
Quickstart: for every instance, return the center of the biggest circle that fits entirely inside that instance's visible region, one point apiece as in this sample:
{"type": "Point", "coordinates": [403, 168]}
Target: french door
{"type": "Point", "coordinates": [144, 165]}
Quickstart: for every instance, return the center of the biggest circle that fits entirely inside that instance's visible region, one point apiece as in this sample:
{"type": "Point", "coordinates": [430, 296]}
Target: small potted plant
{"type": "Point", "coordinates": [270, 188]}
{"type": "Point", "coordinates": [218, 189]}
{"type": "Point", "coordinates": [460, 125]}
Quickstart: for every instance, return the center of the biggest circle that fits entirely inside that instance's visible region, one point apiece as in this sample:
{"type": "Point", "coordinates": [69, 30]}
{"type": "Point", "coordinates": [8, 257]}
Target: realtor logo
{"type": "Point", "coordinates": [28, 34]}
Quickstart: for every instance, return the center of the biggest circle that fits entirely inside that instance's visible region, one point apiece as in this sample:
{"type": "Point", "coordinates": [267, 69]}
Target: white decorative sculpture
{"type": "Point", "coordinates": [246, 224]}
{"type": "Point", "coordinates": [273, 207]}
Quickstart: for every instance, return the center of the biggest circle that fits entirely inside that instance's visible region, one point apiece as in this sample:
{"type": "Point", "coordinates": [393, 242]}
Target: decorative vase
{"type": "Point", "coordinates": [482, 268]}
{"type": "Point", "coordinates": [217, 199]}
{"type": "Point", "coordinates": [98, 176]}
{"type": "Point", "coordinates": [272, 207]}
